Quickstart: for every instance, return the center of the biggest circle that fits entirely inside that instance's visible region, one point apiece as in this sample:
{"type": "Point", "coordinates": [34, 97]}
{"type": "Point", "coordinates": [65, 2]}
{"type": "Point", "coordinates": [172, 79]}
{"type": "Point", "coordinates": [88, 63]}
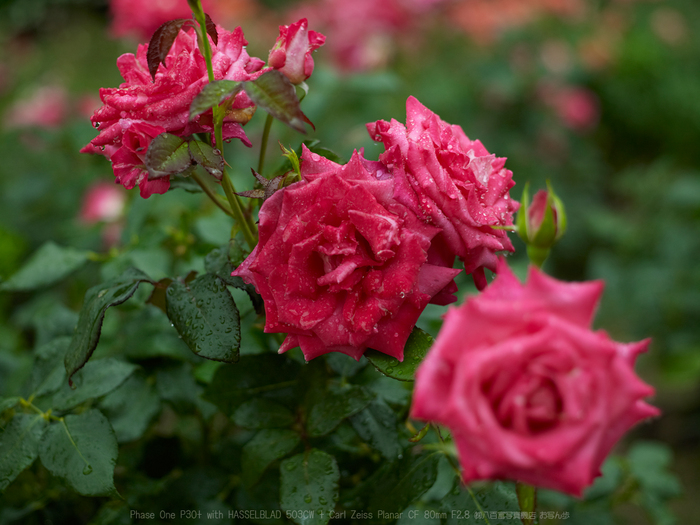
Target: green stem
{"type": "Point", "coordinates": [263, 145]}
{"type": "Point", "coordinates": [527, 499]}
{"type": "Point", "coordinates": [198, 12]}
{"type": "Point", "coordinates": [248, 232]}
{"type": "Point", "coordinates": [213, 196]}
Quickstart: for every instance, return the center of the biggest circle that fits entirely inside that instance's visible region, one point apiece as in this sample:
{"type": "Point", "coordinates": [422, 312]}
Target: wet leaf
{"type": "Point", "coordinates": [48, 371]}
{"type": "Point", "coordinates": [207, 157]}
{"type": "Point", "coordinates": [266, 447]}
{"type": "Point", "coordinates": [417, 346]}
{"type": "Point", "coordinates": [262, 413]}
{"type": "Point", "coordinates": [97, 300]}
{"type": "Point", "coordinates": [274, 93]}
{"type": "Point", "coordinates": [309, 482]}
{"type": "Point", "coordinates": [83, 452]}
{"type": "Point", "coordinates": [329, 410]}
{"type": "Point", "coordinates": [376, 424]}
{"type": "Point", "coordinates": [205, 315]}
{"type": "Point", "coordinates": [48, 265]}
{"type": "Point", "coordinates": [19, 446]}
{"type": "Point", "coordinates": [167, 155]}
{"type": "Point", "coordinates": [131, 407]}
{"type": "Point", "coordinates": [213, 94]}
{"type": "Point", "coordinates": [218, 262]}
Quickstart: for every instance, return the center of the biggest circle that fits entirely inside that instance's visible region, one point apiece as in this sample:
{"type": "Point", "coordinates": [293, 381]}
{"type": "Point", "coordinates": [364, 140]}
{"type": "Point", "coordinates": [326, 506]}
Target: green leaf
{"type": "Point", "coordinates": [274, 93]}
{"type": "Point", "coordinates": [48, 372]}
{"type": "Point", "coordinates": [6, 403]}
{"type": "Point", "coordinates": [649, 463]}
{"type": "Point", "coordinates": [344, 365]}
{"type": "Point", "coordinates": [96, 379]}
{"type": "Point", "coordinates": [48, 265]}
{"type": "Point", "coordinates": [262, 413]}
{"type": "Point", "coordinates": [219, 263]}
{"type": "Point", "coordinates": [409, 478]}
{"type": "Point", "coordinates": [131, 407]}
{"type": "Point", "coordinates": [493, 498]}
{"type": "Point", "coordinates": [97, 300]}
{"type": "Point", "coordinates": [376, 424]}
{"type": "Point", "coordinates": [329, 410]}
{"type": "Point", "coordinates": [167, 155]}
{"type": "Point", "coordinates": [19, 446]}
{"type": "Point", "coordinates": [82, 450]}
{"type": "Point", "coordinates": [213, 94]}
{"type": "Point", "coordinates": [309, 486]}
{"type": "Point", "coordinates": [184, 183]}
{"type": "Point", "coordinates": [207, 157]}
{"type": "Point", "coordinates": [176, 384]}
{"type": "Point", "coordinates": [253, 376]}
{"type": "Point", "coordinates": [266, 447]}
{"type": "Point", "coordinates": [113, 513]}
{"type": "Point", "coordinates": [205, 315]}
{"type": "Point", "coordinates": [417, 346]}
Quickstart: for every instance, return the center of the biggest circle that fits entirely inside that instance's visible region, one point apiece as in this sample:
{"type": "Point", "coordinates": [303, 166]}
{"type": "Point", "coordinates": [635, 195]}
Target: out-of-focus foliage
{"type": "Point", "coordinates": [606, 105]}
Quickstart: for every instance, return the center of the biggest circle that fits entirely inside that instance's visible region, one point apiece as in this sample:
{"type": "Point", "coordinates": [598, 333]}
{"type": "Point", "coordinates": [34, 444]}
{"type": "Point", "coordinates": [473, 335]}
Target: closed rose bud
{"type": "Point", "coordinates": [291, 53]}
{"type": "Point", "coordinates": [540, 223]}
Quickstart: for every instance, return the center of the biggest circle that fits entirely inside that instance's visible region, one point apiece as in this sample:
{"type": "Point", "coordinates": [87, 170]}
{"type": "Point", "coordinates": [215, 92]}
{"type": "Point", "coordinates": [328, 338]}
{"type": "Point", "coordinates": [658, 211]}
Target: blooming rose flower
{"type": "Point", "coordinates": [340, 264]}
{"type": "Point", "coordinates": [139, 109]}
{"type": "Point", "coordinates": [46, 107]}
{"type": "Point", "coordinates": [451, 182]}
{"type": "Point", "coordinates": [528, 390]}
{"type": "Point", "coordinates": [291, 53]}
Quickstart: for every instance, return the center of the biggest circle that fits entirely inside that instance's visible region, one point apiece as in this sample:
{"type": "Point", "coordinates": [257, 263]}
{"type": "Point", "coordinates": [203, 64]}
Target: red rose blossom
{"type": "Point", "coordinates": [528, 390]}
{"type": "Point", "coordinates": [291, 53]}
{"type": "Point", "coordinates": [139, 106]}
{"type": "Point", "coordinates": [340, 264]}
{"type": "Point", "coordinates": [451, 182]}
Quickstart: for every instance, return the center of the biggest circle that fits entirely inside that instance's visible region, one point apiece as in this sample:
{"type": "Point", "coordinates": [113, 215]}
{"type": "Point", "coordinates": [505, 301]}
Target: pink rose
{"type": "Point", "coordinates": [164, 104]}
{"type": "Point", "coordinates": [451, 182]}
{"type": "Point", "coordinates": [141, 19]}
{"type": "Point", "coordinates": [46, 107]}
{"type": "Point", "coordinates": [103, 202]}
{"type": "Point", "coordinates": [291, 53]}
{"type": "Point", "coordinates": [340, 264]}
{"type": "Point", "coordinates": [528, 390]}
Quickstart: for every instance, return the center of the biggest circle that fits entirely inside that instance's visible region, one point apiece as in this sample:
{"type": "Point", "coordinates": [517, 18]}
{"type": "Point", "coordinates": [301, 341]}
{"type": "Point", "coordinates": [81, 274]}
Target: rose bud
{"type": "Point", "coordinates": [540, 223]}
{"type": "Point", "coordinates": [291, 53]}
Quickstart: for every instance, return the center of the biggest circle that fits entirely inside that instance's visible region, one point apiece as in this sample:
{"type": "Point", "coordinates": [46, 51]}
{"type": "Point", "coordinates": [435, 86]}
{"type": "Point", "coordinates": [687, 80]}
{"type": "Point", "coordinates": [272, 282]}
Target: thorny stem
{"type": "Point", "coordinates": [263, 145]}
{"type": "Point", "coordinates": [247, 225]}
{"type": "Point", "coordinates": [213, 196]}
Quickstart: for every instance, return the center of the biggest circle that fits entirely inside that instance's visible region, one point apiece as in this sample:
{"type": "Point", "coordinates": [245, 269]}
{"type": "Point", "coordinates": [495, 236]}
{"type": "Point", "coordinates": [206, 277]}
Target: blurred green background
{"type": "Point", "coordinates": [605, 104]}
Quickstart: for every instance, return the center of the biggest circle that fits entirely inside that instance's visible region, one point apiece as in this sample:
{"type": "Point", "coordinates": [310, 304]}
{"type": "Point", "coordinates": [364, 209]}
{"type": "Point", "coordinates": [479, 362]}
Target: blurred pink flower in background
{"type": "Point", "coordinates": [45, 107]}
{"type": "Point", "coordinates": [578, 108]}
{"type": "Point", "coordinates": [103, 202]}
{"type": "Point", "coordinates": [141, 18]}
{"type": "Point", "coordinates": [486, 20]}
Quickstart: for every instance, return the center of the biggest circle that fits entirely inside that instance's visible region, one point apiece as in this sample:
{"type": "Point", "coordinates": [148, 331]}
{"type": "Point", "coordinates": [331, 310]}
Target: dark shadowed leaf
{"type": "Point", "coordinates": [48, 371]}
{"type": "Point", "coordinates": [269, 187]}
{"type": "Point", "coordinates": [218, 262]}
{"type": "Point", "coordinates": [274, 93]}
{"type": "Point", "coordinates": [131, 407]}
{"type": "Point", "coordinates": [85, 459]}
{"type": "Point", "coordinates": [498, 497]}
{"type": "Point", "coordinates": [336, 404]}
{"type": "Point", "coordinates": [167, 155]}
{"type": "Point", "coordinates": [213, 94]}
{"type": "Point", "coordinates": [309, 482]}
{"type": "Point", "coordinates": [205, 315]}
{"type": "Point", "coordinates": [211, 29]}
{"type": "Point", "coordinates": [95, 379]}
{"type": "Point", "coordinates": [417, 346]}
{"type": "Point", "coordinates": [267, 446]}
{"type": "Point", "coordinates": [7, 403]}
{"type": "Point", "coordinates": [376, 424]}
{"type": "Point", "coordinates": [262, 413]}
{"type": "Point", "coordinates": [252, 376]}
{"type": "Point", "coordinates": [184, 183]}
{"type": "Point", "coordinates": [48, 265]}
{"type": "Point", "coordinates": [207, 157]}
{"type": "Point", "coordinates": [97, 300]}
{"type": "Point", "coordinates": [19, 446]}
{"type": "Point", "coordinates": [161, 42]}
{"type": "Point", "coordinates": [408, 478]}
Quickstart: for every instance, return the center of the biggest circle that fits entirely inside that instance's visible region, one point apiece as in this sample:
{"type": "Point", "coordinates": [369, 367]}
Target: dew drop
{"type": "Point", "coordinates": [308, 498]}
{"type": "Point", "coordinates": [87, 470]}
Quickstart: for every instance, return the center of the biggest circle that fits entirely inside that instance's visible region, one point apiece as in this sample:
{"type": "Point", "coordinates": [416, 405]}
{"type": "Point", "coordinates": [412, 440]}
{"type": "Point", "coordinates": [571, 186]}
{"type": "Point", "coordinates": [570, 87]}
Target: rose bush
{"type": "Point", "coordinates": [291, 53]}
{"type": "Point", "coordinates": [451, 182]}
{"type": "Point", "coordinates": [340, 264]}
{"type": "Point", "coordinates": [528, 390]}
{"type": "Point", "coordinates": [139, 109]}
